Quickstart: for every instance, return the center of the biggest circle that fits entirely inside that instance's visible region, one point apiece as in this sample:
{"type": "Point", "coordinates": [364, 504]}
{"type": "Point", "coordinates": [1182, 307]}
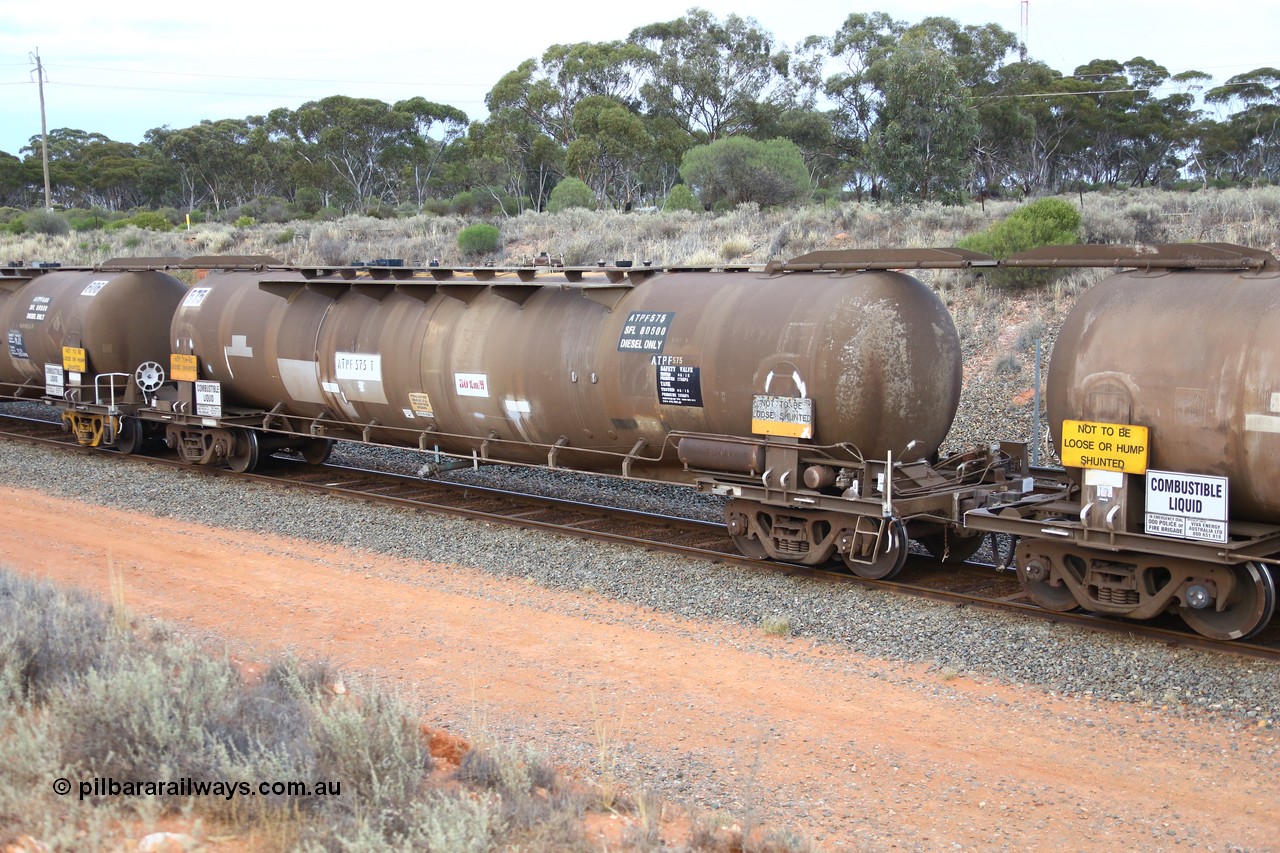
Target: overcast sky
{"type": "Point", "coordinates": [123, 68]}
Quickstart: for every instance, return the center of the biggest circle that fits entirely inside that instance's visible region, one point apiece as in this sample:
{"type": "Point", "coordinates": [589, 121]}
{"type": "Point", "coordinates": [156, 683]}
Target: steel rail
{"type": "Point", "coordinates": [923, 577]}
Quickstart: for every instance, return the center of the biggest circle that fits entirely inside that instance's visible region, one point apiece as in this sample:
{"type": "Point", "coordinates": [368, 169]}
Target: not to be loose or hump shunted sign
{"type": "Point", "coordinates": [1187, 506]}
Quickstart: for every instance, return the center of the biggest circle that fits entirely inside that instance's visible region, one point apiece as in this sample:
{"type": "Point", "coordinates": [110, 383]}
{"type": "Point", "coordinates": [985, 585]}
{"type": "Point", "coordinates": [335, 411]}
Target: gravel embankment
{"type": "Point", "coordinates": [894, 627]}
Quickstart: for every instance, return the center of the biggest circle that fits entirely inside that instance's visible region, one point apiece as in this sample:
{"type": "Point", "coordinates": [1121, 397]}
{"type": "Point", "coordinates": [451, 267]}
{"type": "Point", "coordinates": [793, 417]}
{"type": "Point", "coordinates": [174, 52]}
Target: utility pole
{"type": "Point", "coordinates": [44, 129]}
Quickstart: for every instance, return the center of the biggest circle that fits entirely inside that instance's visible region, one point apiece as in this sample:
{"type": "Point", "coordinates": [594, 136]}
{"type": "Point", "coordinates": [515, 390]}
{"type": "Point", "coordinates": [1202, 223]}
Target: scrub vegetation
{"type": "Point", "coordinates": [131, 718]}
{"type": "Point", "coordinates": [743, 234]}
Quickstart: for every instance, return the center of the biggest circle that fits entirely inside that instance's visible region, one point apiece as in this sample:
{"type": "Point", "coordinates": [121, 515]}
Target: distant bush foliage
{"type": "Point", "coordinates": [151, 221]}
{"type": "Point", "coordinates": [571, 192]}
{"type": "Point", "coordinates": [478, 239]}
{"type": "Point", "coordinates": [41, 221]}
{"type": "Point", "coordinates": [737, 169]}
{"type": "Point", "coordinates": [682, 198]}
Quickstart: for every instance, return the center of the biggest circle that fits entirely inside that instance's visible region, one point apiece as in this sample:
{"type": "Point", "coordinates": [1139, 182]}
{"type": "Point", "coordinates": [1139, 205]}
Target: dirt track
{"type": "Point", "coordinates": [854, 752]}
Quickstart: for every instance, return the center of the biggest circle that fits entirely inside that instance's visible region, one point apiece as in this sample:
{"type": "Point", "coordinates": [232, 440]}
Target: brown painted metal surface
{"type": "Point", "coordinates": [586, 364]}
{"type": "Point", "coordinates": [1194, 356]}
{"type": "Point", "coordinates": [121, 319]}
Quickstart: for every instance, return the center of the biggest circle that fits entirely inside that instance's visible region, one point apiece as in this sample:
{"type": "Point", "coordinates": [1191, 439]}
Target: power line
{"type": "Point", "coordinates": [273, 79]}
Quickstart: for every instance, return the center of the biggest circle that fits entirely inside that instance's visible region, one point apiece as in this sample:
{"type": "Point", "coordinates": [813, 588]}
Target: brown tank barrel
{"type": "Point", "coordinates": [120, 319]}
{"type": "Point", "coordinates": [260, 344]}
{"type": "Point", "coordinates": [558, 363]}
{"type": "Point", "coordinates": [1194, 356]}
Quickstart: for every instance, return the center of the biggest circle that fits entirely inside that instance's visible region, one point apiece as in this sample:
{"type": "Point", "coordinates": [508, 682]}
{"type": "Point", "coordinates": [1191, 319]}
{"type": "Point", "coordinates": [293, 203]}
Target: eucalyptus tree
{"type": "Point", "coordinates": [714, 79]}
{"type": "Point", "coordinates": [544, 92]}
{"type": "Point", "coordinates": [862, 39]}
{"type": "Point", "coordinates": [210, 160]}
{"type": "Point", "coordinates": [360, 139]}
{"type": "Point", "coordinates": [1249, 140]}
{"type": "Point", "coordinates": [926, 126]}
{"type": "Point", "coordinates": [609, 149]}
{"type": "Point", "coordinates": [434, 128]}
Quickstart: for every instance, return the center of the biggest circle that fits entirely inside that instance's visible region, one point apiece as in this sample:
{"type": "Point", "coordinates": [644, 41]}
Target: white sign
{"type": "Point", "coordinates": [93, 288]}
{"type": "Point", "coordinates": [358, 366]}
{"type": "Point", "coordinates": [1188, 506]}
{"type": "Point", "coordinates": [54, 382]}
{"type": "Point", "coordinates": [209, 399]}
{"type": "Point", "coordinates": [471, 384]}
{"type": "Point", "coordinates": [195, 296]}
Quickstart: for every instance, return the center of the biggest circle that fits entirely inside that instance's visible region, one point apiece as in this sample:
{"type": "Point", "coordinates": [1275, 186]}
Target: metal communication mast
{"type": "Point", "coordinates": [44, 129]}
{"type": "Point", "coordinates": [1026, 14]}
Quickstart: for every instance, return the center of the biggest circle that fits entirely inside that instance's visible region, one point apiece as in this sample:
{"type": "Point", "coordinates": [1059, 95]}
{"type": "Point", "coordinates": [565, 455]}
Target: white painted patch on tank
{"type": "Point", "coordinates": [301, 380]}
{"type": "Point", "coordinates": [1261, 423]}
{"type": "Point", "coordinates": [240, 348]}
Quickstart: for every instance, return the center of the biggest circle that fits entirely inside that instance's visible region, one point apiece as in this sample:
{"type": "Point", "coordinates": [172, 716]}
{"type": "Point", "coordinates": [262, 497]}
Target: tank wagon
{"type": "Point", "coordinates": [1163, 397]}
{"type": "Point", "coordinates": [94, 339]}
{"type": "Point", "coordinates": [813, 393]}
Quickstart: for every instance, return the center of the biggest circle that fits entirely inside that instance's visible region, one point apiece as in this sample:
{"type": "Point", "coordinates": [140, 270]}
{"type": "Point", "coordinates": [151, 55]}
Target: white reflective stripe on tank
{"type": "Point", "coordinates": [1261, 423]}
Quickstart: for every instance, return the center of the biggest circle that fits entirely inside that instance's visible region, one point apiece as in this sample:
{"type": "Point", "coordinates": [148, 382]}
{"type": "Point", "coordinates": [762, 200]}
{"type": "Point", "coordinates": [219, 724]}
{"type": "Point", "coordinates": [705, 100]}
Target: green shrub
{"type": "Point", "coordinates": [152, 221]}
{"type": "Point", "coordinates": [682, 198]}
{"type": "Point", "coordinates": [571, 192]}
{"type": "Point", "coordinates": [308, 200]}
{"type": "Point", "coordinates": [245, 222]}
{"type": "Point", "coordinates": [197, 217]}
{"type": "Point", "coordinates": [463, 203]}
{"type": "Point", "coordinates": [478, 239]}
{"type": "Point", "coordinates": [1046, 222]}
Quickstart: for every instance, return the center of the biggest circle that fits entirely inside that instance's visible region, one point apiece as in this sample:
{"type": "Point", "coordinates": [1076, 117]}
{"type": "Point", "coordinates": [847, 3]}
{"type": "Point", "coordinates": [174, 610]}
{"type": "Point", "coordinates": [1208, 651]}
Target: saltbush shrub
{"type": "Point", "coordinates": [478, 239]}
{"type": "Point", "coordinates": [47, 222]}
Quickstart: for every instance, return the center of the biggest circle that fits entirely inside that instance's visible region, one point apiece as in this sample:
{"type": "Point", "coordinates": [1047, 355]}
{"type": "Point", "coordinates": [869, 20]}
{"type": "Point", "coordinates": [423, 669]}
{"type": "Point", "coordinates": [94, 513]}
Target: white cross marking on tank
{"type": "Point", "coordinates": [239, 346]}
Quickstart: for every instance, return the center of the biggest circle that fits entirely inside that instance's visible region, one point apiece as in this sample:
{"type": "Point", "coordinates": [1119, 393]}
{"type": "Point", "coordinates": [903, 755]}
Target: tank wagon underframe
{"type": "Point", "coordinates": [813, 393]}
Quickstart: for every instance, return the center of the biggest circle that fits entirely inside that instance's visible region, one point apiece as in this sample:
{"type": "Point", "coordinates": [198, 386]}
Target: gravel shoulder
{"type": "Point", "coordinates": [882, 722]}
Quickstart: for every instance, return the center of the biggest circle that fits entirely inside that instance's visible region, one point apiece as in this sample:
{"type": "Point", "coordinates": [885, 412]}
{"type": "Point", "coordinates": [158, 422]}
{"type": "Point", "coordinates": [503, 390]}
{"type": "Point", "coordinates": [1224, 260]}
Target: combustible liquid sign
{"type": "Point", "coordinates": [1105, 447]}
{"type": "Point", "coordinates": [1188, 506]}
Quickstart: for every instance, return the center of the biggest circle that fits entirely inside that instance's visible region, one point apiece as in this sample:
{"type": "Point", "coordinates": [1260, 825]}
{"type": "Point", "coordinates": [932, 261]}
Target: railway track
{"type": "Point", "coordinates": [967, 585]}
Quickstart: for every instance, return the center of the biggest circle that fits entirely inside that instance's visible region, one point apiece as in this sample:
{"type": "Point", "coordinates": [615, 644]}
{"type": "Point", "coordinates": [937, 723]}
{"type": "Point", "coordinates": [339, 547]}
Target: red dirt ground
{"type": "Point", "coordinates": [854, 752]}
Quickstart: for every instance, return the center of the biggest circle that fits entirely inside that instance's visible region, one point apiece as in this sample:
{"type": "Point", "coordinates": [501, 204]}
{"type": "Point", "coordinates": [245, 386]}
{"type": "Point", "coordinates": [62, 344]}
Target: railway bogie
{"type": "Point", "coordinates": [814, 394]}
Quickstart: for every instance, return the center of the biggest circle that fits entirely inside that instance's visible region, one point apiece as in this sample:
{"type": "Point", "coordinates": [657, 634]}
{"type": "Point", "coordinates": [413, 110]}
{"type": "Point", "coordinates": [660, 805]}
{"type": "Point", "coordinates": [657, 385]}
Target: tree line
{"type": "Point", "coordinates": [882, 108]}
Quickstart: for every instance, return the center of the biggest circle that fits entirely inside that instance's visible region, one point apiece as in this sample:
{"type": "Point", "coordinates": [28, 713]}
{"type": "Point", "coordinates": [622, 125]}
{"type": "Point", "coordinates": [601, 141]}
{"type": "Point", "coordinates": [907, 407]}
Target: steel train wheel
{"type": "Point", "coordinates": [1249, 609]}
{"type": "Point", "coordinates": [889, 559]}
{"type": "Point", "coordinates": [130, 436]}
{"type": "Point", "coordinates": [316, 451]}
{"type": "Point", "coordinates": [1057, 598]}
{"type": "Point", "coordinates": [1033, 575]}
{"type": "Point", "coordinates": [243, 458]}
{"type": "Point", "coordinates": [749, 547]}
{"type": "Point", "coordinates": [950, 547]}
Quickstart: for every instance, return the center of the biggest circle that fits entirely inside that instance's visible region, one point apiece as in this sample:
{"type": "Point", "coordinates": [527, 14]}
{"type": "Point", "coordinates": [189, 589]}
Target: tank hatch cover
{"type": "Point", "coordinates": [1159, 256]}
{"type": "Point", "coordinates": [230, 262]}
{"type": "Point", "coordinates": [884, 259]}
{"type": "Point", "coordinates": [140, 263]}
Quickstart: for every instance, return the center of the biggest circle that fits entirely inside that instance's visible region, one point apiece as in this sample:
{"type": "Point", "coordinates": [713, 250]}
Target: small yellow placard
{"type": "Point", "coordinates": [183, 368]}
{"type": "Point", "coordinates": [74, 359]}
{"type": "Point", "coordinates": [1106, 447]}
{"type": "Point", "coordinates": [420, 403]}
{"type": "Point", "coordinates": [791, 417]}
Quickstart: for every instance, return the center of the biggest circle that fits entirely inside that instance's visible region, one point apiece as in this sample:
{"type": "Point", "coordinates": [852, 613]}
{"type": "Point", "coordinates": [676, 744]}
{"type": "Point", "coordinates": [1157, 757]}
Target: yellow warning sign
{"type": "Point", "coordinates": [791, 417]}
{"type": "Point", "coordinates": [183, 367]}
{"type": "Point", "coordinates": [74, 360]}
{"type": "Point", "coordinates": [1106, 447]}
